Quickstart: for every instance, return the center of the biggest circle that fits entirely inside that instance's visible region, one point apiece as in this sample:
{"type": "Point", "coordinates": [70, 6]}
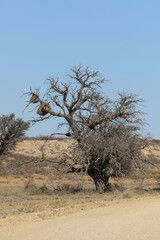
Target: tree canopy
{"type": "Point", "coordinates": [107, 132]}
{"type": "Point", "coordinates": [11, 129]}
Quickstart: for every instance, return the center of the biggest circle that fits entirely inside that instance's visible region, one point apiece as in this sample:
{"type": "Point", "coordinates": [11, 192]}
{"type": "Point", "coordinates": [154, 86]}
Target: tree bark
{"type": "Point", "coordinates": [101, 181]}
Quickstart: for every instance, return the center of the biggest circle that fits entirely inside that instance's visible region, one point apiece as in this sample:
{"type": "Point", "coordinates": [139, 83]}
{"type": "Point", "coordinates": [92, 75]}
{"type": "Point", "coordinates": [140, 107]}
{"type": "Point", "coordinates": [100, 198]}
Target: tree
{"type": "Point", "coordinates": [115, 152]}
{"type": "Point", "coordinates": [106, 131]}
{"type": "Point", "coordinates": [11, 130]}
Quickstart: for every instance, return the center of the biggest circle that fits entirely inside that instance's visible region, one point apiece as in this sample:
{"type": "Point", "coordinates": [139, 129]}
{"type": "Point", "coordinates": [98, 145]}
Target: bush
{"type": "Point", "coordinates": [11, 130]}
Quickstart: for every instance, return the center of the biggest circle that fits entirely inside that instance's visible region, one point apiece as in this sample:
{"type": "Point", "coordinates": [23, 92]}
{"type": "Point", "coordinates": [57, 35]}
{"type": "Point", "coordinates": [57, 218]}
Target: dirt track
{"type": "Point", "coordinates": [120, 220]}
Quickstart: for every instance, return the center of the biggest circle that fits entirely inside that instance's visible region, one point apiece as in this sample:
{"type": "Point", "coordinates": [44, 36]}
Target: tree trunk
{"type": "Point", "coordinates": [101, 181]}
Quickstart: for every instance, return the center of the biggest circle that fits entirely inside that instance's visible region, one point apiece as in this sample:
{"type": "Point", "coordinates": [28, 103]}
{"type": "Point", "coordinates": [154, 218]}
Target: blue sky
{"type": "Point", "coordinates": [120, 38]}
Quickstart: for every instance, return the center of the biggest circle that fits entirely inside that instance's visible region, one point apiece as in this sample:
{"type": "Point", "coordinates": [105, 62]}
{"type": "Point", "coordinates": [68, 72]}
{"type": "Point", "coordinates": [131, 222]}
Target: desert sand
{"type": "Point", "coordinates": [131, 211]}
{"type": "Point", "coordinates": [120, 220]}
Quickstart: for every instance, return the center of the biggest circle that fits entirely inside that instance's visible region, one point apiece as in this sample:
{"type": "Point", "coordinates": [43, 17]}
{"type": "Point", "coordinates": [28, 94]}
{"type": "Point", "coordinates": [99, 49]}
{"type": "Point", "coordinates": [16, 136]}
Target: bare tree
{"type": "Point", "coordinates": [106, 131]}
{"type": "Point", "coordinates": [11, 130]}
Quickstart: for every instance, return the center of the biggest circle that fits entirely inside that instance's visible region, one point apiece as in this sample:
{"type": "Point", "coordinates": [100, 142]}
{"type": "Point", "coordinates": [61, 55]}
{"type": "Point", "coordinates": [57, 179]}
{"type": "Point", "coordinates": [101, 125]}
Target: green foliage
{"type": "Point", "coordinates": [11, 130]}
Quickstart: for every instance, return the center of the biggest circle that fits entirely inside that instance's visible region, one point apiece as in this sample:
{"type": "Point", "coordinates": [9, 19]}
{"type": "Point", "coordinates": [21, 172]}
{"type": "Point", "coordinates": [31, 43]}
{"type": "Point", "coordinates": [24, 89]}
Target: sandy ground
{"type": "Point", "coordinates": [126, 219]}
{"type": "Point", "coordinates": [26, 214]}
{"type": "Point", "coordinates": [52, 148]}
{"type": "Point", "coordinates": [32, 147]}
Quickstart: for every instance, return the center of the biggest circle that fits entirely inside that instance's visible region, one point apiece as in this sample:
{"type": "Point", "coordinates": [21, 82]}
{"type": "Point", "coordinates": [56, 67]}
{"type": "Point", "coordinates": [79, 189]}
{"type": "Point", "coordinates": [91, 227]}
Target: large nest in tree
{"type": "Point", "coordinates": [34, 98]}
{"type": "Point", "coordinates": [43, 109]}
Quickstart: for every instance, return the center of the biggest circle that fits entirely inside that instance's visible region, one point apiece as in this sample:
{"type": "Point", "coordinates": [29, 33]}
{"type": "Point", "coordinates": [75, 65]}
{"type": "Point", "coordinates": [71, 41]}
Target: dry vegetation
{"type": "Point", "coordinates": [35, 190]}
{"type": "Point", "coordinates": [106, 132]}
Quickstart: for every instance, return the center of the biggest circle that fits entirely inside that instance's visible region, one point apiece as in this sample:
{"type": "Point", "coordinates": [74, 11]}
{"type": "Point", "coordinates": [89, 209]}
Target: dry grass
{"type": "Point", "coordinates": [41, 197]}
{"type": "Point", "coordinates": [36, 191]}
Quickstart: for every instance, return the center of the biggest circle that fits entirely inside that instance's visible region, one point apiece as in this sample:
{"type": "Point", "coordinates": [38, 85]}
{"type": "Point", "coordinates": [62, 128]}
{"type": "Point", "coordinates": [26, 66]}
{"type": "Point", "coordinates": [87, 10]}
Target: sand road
{"type": "Point", "coordinates": [120, 220]}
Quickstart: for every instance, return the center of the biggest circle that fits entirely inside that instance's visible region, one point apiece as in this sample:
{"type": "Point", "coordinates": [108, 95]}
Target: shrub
{"type": "Point", "coordinates": [11, 130]}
